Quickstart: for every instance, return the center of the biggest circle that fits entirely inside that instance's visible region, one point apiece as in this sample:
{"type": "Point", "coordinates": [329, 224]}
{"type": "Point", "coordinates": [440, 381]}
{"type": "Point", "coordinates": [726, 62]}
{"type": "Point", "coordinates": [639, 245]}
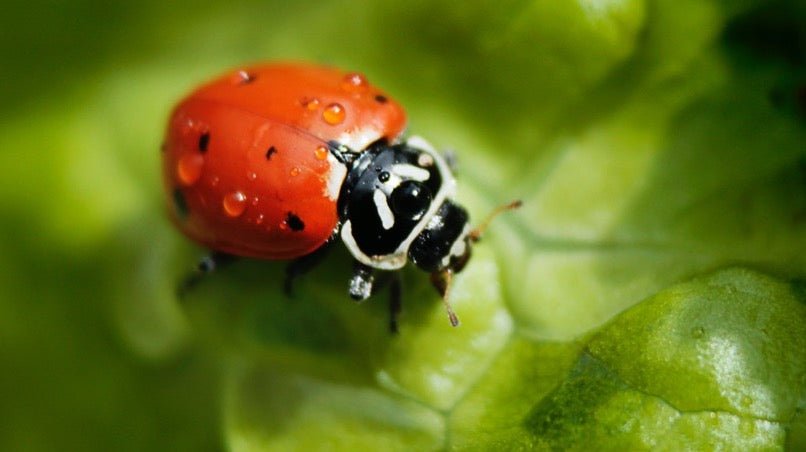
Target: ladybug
{"type": "Point", "coordinates": [277, 161]}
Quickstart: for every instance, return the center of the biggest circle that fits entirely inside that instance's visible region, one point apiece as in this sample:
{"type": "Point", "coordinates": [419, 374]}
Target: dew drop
{"type": "Point", "coordinates": [235, 204]}
{"type": "Point", "coordinates": [697, 332]}
{"type": "Point", "coordinates": [189, 168]}
{"type": "Point", "coordinates": [259, 218]}
{"type": "Point", "coordinates": [252, 175]}
{"type": "Point", "coordinates": [310, 103]}
{"type": "Point", "coordinates": [242, 77]}
{"type": "Point", "coordinates": [188, 126]}
{"type": "Point", "coordinates": [295, 171]}
{"type": "Point", "coordinates": [747, 401]}
{"type": "Point", "coordinates": [214, 181]}
{"type": "Point", "coordinates": [321, 152]}
{"type": "Point", "coordinates": [354, 81]}
{"type": "Point", "coordinates": [255, 201]}
{"type": "Point", "coordinates": [333, 114]}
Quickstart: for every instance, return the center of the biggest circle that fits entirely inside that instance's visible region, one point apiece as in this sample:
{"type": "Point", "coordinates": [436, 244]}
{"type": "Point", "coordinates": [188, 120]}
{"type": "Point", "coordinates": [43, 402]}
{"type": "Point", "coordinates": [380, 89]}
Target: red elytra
{"type": "Point", "coordinates": [245, 160]}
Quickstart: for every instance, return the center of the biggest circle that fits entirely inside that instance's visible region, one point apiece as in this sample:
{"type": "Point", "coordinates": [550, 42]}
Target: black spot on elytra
{"type": "Point", "coordinates": [271, 151]}
{"type": "Point", "coordinates": [294, 222]}
{"type": "Point", "coordinates": [204, 141]}
{"type": "Point", "coordinates": [180, 204]}
{"type": "Point", "coordinates": [381, 99]}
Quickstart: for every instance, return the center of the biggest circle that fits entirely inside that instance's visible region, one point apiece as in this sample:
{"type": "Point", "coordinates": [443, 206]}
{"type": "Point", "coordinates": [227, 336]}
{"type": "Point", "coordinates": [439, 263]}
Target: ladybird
{"type": "Point", "coordinates": [277, 161]}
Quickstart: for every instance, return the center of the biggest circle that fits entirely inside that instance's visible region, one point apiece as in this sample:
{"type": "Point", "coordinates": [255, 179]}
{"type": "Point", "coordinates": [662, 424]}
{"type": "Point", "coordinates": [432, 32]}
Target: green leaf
{"type": "Point", "coordinates": [717, 361]}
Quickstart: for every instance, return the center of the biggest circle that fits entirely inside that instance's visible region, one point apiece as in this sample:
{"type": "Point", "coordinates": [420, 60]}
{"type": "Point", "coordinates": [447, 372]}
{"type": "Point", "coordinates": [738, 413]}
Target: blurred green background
{"type": "Point", "coordinates": [659, 147]}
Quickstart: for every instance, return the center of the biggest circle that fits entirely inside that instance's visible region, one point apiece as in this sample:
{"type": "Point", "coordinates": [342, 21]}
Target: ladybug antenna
{"type": "Point", "coordinates": [475, 234]}
{"type": "Point", "coordinates": [451, 315]}
{"type": "Point", "coordinates": [442, 281]}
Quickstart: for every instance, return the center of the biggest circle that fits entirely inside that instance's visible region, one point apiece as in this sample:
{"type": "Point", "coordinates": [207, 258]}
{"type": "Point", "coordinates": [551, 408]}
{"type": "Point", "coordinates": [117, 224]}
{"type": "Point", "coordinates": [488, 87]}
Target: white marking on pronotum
{"type": "Point", "coordinates": [335, 177]}
{"type": "Point", "coordinates": [390, 185]}
{"type": "Point", "coordinates": [420, 143]}
{"type": "Point", "coordinates": [359, 138]}
{"type": "Point", "coordinates": [384, 212]}
{"type": "Point", "coordinates": [407, 171]}
{"type": "Point", "coordinates": [392, 261]}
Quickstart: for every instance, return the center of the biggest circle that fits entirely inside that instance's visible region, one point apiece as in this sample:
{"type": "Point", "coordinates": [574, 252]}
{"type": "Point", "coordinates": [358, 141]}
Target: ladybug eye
{"type": "Point", "coordinates": [410, 200]}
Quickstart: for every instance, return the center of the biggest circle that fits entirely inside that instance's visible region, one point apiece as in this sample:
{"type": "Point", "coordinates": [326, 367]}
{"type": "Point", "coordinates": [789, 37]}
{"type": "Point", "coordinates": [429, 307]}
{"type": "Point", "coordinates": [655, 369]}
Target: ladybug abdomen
{"type": "Point", "coordinates": [249, 185]}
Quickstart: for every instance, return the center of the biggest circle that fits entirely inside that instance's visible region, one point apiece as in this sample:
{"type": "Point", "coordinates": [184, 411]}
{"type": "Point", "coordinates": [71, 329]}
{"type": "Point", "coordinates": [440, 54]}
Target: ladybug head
{"type": "Point", "coordinates": [396, 204]}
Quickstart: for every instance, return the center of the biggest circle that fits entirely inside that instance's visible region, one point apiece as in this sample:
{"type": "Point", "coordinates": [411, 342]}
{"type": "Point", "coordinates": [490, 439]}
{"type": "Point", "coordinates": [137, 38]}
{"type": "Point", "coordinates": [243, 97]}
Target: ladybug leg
{"type": "Point", "coordinates": [391, 279]}
{"type": "Point", "coordinates": [395, 302]}
{"type": "Point", "coordinates": [361, 283]}
{"type": "Point", "coordinates": [206, 265]}
{"type": "Point", "coordinates": [303, 265]}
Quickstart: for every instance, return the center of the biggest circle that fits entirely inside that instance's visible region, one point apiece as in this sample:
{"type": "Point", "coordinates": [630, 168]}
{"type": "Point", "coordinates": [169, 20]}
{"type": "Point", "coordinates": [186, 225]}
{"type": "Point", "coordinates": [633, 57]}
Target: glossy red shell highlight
{"type": "Point", "coordinates": [243, 165]}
